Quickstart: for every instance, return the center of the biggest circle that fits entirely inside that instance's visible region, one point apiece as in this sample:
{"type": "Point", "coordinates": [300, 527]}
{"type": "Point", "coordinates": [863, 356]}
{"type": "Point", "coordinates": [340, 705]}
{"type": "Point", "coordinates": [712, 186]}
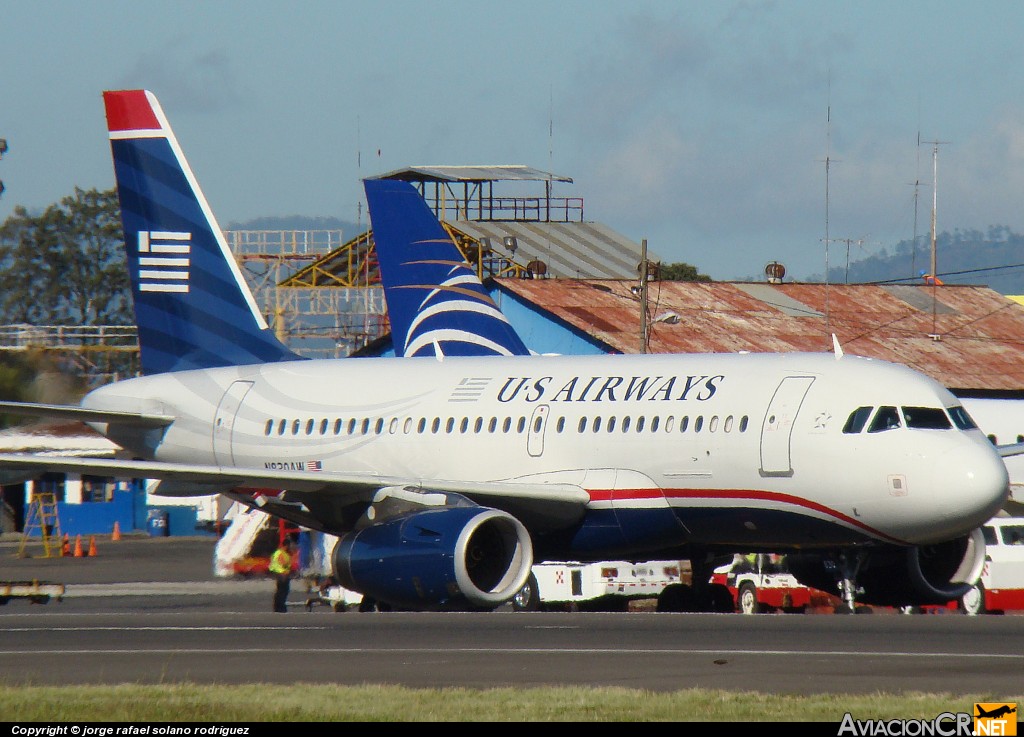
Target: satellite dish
{"type": "Point", "coordinates": [537, 267]}
{"type": "Point", "coordinates": [775, 271]}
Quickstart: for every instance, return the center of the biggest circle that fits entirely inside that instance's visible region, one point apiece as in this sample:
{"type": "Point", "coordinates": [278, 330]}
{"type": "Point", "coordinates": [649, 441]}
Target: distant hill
{"type": "Point", "coordinates": [298, 222]}
{"type": "Point", "coordinates": [994, 258]}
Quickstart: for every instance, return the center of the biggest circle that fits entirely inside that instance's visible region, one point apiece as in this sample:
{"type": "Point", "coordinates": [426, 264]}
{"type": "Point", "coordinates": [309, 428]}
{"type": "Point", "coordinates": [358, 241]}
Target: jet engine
{"type": "Point", "coordinates": [901, 576]}
{"type": "Point", "coordinates": [435, 559]}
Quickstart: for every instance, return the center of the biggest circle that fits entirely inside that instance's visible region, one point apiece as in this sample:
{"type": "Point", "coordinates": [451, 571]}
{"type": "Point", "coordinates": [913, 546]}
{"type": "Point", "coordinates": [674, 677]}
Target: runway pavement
{"type": "Point", "coordinates": [167, 571]}
{"type": "Point", "coordinates": [151, 610]}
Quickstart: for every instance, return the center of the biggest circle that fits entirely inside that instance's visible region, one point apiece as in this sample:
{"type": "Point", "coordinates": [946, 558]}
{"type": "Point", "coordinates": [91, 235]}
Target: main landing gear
{"type": "Point", "coordinates": [699, 596]}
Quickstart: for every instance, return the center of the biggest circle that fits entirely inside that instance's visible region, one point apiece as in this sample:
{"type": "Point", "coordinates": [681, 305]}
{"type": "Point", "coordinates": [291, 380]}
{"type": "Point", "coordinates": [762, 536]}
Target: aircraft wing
{"type": "Point", "coordinates": [321, 496]}
{"type": "Point", "coordinates": [81, 414]}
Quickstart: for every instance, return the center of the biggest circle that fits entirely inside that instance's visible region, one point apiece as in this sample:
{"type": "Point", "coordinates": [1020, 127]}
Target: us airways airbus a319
{"type": "Point", "coordinates": [447, 476]}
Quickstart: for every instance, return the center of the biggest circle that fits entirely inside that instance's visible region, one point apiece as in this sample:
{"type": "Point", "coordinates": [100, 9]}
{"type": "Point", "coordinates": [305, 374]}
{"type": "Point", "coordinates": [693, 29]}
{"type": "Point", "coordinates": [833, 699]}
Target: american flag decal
{"type": "Point", "coordinates": [314, 466]}
{"type": "Point", "coordinates": [164, 261]}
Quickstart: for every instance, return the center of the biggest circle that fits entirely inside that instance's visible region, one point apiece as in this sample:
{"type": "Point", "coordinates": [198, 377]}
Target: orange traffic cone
{"type": "Point", "coordinates": [117, 531]}
{"type": "Point", "coordinates": [92, 545]}
{"type": "Point", "coordinates": [66, 548]}
{"type": "Point", "coordinates": [78, 546]}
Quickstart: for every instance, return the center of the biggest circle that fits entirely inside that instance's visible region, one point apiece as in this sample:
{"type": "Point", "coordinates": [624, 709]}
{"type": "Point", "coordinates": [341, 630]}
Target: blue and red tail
{"type": "Point", "coordinates": [192, 305]}
{"type": "Point", "coordinates": [436, 303]}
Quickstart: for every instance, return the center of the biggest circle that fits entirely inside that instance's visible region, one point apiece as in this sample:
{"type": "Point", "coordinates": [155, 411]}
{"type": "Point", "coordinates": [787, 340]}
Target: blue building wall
{"type": "Point", "coordinates": [98, 518]}
{"type": "Point", "coordinates": [129, 510]}
{"type": "Point", "coordinates": [543, 332]}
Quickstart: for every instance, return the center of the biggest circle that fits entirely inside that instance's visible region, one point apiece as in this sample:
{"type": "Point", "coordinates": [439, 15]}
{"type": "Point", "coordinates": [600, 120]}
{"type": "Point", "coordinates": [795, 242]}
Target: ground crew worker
{"type": "Point", "coordinates": [281, 570]}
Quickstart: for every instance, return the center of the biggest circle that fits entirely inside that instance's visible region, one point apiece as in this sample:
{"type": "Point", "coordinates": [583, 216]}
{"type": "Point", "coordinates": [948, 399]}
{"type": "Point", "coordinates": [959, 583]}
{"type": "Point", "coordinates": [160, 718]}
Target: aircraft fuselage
{"type": "Point", "coordinates": [704, 449]}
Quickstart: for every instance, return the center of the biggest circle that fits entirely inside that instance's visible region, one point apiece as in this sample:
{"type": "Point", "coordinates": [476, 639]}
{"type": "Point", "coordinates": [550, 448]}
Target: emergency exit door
{"type": "Point", "coordinates": [777, 430]}
{"type": "Point", "coordinates": [224, 420]}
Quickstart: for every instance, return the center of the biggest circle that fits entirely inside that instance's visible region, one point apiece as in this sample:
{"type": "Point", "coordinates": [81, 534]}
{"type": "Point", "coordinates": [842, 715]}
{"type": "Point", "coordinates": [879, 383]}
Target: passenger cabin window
{"type": "Point", "coordinates": [961, 419]}
{"type": "Point", "coordinates": [926, 418]}
{"type": "Point", "coordinates": [887, 418]}
{"type": "Point", "coordinates": [857, 419]}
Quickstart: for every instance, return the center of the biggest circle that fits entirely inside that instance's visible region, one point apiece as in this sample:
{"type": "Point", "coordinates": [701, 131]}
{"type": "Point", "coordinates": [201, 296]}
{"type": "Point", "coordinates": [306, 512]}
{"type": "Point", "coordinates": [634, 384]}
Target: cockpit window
{"type": "Point", "coordinates": [887, 418]}
{"type": "Point", "coordinates": [926, 418]}
{"type": "Point", "coordinates": [858, 418]}
{"type": "Point", "coordinates": [961, 419]}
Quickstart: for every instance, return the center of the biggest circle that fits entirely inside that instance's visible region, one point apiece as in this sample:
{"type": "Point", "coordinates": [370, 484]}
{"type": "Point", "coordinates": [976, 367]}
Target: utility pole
{"type": "Point", "coordinates": [934, 274]}
{"type": "Point", "coordinates": [644, 327]}
{"type": "Point", "coordinates": [3, 150]}
{"type": "Point", "coordinates": [848, 241]}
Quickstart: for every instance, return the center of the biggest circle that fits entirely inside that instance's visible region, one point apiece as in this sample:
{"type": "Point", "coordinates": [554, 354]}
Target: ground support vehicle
{"type": "Point", "coordinates": [762, 583]}
{"type": "Point", "coordinates": [36, 592]}
{"type": "Point", "coordinates": [604, 586]}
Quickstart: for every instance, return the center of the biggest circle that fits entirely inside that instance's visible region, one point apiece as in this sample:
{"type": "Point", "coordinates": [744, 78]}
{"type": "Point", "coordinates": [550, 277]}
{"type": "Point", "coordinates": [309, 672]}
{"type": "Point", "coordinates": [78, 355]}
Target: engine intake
{"type": "Point", "coordinates": [913, 576]}
{"type": "Point", "coordinates": [447, 558]}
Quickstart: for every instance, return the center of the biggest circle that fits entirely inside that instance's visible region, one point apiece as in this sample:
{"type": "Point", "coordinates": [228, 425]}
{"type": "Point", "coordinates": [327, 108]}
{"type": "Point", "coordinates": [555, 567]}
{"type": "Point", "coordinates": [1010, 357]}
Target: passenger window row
{"type": "Point", "coordinates": [639, 424]}
{"type": "Point", "coordinates": [394, 425]}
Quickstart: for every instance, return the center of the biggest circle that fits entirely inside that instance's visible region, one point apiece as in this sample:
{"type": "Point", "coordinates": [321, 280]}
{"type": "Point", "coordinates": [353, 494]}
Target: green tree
{"type": "Point", "coordinates": [65, 266]}
{"type": "Point", "coordinates": [680, 271]}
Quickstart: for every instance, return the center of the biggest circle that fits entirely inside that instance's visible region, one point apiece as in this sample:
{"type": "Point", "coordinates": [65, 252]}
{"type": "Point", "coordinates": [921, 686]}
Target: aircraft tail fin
{"type": "Point", "coordinates": [435, 300]}
{"type": "Point", "coordinates": [192, 305]}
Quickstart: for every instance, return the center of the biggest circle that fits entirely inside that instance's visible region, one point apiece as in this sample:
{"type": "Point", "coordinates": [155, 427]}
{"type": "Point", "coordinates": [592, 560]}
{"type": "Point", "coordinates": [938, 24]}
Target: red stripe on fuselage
{"type": "Point", "coordinates": [604, 495]}
{"type": "Point", "coordinates": [129, 111]}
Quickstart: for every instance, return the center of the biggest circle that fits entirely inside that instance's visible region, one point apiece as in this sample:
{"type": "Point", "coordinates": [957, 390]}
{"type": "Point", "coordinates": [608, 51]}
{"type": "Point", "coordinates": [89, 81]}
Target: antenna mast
{"type": "Point", "coordinates": [934, 275]}
{"type": "Point", "coordinates": [644, 327]}
{"type": "Point", "coordinates": [917, 186]}
{"type": "Point", "coordinates": [828, 165]}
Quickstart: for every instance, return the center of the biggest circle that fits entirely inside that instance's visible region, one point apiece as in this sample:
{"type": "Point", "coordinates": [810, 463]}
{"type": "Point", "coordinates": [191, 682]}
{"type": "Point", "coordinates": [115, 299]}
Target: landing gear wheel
{"type": "Point", "coordinates": [527, 599]}
{"type": "Point", "coordinates": [372, 605]}
{"type": "Point", "coordinates": [973, 602]}
{"type": "Point", "coordinates": [747, 598]}
{"type": "Point", "coordinates": [720, 599]}
{"type": "Point", "coordinates": [676, 597]}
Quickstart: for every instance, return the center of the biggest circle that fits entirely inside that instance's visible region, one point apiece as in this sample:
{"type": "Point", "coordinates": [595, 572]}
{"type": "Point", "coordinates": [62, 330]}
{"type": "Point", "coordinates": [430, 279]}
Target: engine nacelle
{"type": "Point", "coordinates": [913, 576]}
{"type": "Point", "coordinates": [445, 558]}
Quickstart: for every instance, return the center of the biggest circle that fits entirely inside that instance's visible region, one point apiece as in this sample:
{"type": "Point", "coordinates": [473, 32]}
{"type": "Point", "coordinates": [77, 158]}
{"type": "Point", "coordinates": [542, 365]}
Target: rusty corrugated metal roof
{"type": "Point", "coordinates": [486, 173]}
{"type": "Point", "coordinates": [968, 338]}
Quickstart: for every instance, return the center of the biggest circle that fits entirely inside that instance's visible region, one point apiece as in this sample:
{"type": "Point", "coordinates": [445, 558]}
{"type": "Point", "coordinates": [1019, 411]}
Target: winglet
{"type": "Point", "coordinates": [838, 349]}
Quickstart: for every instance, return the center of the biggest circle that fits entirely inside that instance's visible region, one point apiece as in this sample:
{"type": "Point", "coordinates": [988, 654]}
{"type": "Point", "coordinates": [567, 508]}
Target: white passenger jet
{"type": "Point", "coordinates": [446, 477]}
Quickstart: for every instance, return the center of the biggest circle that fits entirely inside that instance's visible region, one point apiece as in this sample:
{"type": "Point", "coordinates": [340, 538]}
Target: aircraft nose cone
{"type": "Point", "coordinates": [974, 484]}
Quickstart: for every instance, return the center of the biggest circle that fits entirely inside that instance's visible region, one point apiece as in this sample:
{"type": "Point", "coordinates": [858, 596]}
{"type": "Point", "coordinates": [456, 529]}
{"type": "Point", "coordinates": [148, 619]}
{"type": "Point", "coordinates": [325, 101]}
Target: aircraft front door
{"type": "Point", "coordinates": [777, 430]}
{"type": "Point", "coordinates": [224, 421]}
{"type": "Point", "coordinates": [538, 424]}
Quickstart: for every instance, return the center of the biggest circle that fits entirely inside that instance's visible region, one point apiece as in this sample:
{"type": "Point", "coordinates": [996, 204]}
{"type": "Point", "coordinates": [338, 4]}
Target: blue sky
{"type": "Point", "coordinates": [701, 126]}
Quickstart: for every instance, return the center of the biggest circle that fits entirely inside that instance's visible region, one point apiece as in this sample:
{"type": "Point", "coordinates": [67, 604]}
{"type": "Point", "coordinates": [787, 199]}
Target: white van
{"type": "Point", "coordinates": [1001, 588]}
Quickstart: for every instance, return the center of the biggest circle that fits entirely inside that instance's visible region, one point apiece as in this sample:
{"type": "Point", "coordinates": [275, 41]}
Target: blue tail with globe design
{"type": "Point", "coordinates": [436, 303]}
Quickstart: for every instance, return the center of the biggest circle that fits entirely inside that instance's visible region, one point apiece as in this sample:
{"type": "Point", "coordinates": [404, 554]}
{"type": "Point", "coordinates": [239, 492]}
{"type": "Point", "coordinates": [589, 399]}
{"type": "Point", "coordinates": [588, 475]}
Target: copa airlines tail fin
{"type": "Point", "coordinates": [192, 305]}
{"type": "Point", "coordinates": [436, 302]}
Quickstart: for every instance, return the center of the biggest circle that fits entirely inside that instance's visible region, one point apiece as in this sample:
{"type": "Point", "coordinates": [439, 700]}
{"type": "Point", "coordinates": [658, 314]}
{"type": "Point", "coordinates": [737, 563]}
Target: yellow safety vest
{"type": "Point", "coordinates": [280, 561]}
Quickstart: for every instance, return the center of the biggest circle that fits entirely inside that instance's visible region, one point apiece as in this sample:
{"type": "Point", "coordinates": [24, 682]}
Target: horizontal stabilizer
{"type": "Point", "coordinates": [81, 414]}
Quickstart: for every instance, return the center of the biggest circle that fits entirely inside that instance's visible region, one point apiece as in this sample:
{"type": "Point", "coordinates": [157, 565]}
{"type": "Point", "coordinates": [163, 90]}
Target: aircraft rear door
{"type": "Point", "coordinates": [224, 421]}
{"type": "Point", "coordinates": [777, 430]}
